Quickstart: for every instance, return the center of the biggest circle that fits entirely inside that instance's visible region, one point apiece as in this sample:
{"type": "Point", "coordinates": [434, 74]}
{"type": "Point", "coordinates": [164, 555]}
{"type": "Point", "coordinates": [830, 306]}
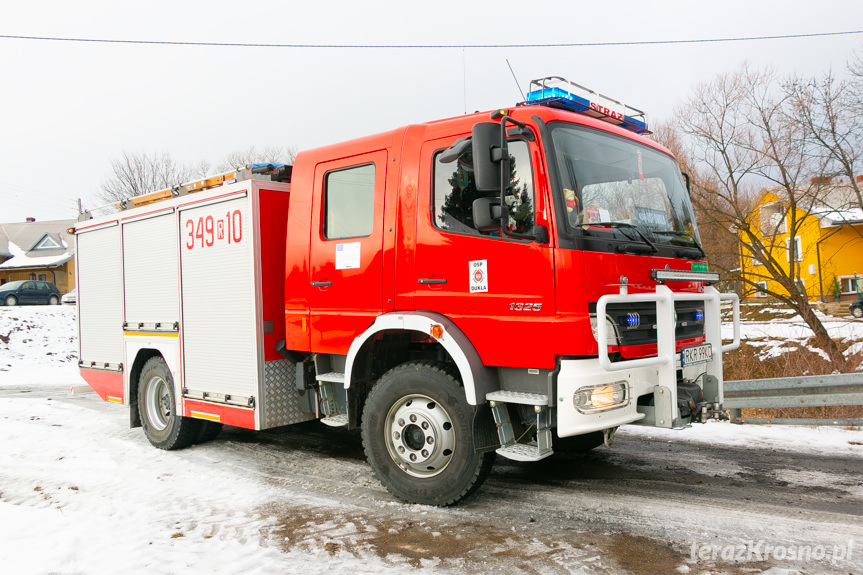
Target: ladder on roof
{"type": "Point", "coordinates": [271, 172]}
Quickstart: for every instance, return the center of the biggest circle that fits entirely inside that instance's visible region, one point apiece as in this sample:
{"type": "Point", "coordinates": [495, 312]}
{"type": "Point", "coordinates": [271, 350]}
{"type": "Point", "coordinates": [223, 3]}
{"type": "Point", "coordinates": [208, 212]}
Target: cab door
{"type": "Point", "coordinates": [499, 291]}
{"type": "Point", "coordinates": [346, 292]}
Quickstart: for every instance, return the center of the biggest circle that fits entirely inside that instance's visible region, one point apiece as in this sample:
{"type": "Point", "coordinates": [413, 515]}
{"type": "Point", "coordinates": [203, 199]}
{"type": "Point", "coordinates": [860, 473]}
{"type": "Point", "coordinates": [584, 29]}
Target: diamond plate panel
{"type": "Point", "coordinates": [281, 402]}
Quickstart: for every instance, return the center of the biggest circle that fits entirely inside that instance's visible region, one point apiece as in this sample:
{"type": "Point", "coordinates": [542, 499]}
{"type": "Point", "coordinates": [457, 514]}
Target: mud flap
{"type": "Point", "coordinates": [484, 430]}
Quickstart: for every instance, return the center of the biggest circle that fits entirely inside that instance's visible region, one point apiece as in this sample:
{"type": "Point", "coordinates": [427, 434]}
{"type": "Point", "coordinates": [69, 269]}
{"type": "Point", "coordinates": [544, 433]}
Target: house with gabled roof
{"type": "Point", "coordinates": [38, 251]}
{"type": "Point", "coordinates": [827, 243]}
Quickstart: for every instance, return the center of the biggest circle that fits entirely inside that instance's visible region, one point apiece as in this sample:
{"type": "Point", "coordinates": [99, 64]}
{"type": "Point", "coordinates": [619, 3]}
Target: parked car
{"type": "Point", "coordinates": [856, 308]}
{"type": "Point", "coordinates": [29, 292]}
{"type": "Point", "coordinates": [70, 298]}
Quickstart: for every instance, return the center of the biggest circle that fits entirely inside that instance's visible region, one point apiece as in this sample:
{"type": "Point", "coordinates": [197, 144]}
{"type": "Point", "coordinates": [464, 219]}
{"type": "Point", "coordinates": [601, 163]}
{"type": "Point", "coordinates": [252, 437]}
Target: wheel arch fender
{"type": "Point", "coordinates": [478, 379]}
{"type": "Point", "coordinates": [139, 356]}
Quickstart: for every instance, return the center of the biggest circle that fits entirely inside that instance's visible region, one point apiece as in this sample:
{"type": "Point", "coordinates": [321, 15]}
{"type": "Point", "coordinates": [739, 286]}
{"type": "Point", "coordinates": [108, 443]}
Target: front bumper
{"type": "Point", "coordinates": [654, 378]}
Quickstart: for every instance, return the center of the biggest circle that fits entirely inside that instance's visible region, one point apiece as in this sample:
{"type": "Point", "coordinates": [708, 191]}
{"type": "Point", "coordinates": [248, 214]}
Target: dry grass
{"type": "Point", "coordinates": [748, 362]}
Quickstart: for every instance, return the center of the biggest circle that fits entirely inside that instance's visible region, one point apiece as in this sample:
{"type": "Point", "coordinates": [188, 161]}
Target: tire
{"type": "Point", "coordinates": [157, 405]}
{"type": "Point", "coordinates": [578, 443]}
{"type": "Point", "coordinates": [53, 300]}
{"type": "Point", "coordinates": [417, 436]}
{"type": "Point", "coordinates": [857, 312]}
{"type": "Point", "coordinates": [207, 431]}
{"type": "Point", "coordinates": [11, 300]}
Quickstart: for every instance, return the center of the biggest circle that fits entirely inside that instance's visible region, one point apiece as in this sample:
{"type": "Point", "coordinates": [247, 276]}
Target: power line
{"type": "Point", "coordinates": [429, 46]}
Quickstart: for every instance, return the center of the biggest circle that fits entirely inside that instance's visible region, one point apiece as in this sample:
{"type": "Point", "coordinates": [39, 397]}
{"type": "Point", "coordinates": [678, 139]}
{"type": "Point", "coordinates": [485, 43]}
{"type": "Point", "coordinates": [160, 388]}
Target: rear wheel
{"type": "Point", "coordinates": [857, 312]}
{"type": "Point", "coordinates": [417, 436]}
{"type": "Point", "coordinates": [11, 300]}
{"type": "Point", "coordinates": [53, 300]}
{"type": "Point", "coordinates": [157, 405]}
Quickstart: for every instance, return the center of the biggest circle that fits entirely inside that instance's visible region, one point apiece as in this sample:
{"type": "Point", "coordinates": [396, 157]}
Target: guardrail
{"type": "Point", "coordinates": [807, 391]}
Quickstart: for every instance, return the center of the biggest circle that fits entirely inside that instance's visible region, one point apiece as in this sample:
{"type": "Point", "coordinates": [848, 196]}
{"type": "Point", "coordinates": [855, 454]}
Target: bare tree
{"type": "Point", "coordinates": [138, 173]}
{"type": "Point", "coordinates": [252, 155]}
{"type": "Point", "coordinates": [746, 141]}
{"type": "Point", "coordinates": [829, 110]}
{"type": "Point", "coordinates": [719, 246]}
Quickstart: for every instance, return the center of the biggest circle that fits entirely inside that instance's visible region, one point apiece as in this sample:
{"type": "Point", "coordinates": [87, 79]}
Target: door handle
{"type": "Point", "coordinates": [321, 284]}
{"type": "Point", "coordinates": [432, 281]}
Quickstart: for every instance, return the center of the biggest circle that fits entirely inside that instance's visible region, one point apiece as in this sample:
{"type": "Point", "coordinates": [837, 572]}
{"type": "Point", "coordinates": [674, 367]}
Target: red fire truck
{"type": "Point", "coordinates": [496, 283]}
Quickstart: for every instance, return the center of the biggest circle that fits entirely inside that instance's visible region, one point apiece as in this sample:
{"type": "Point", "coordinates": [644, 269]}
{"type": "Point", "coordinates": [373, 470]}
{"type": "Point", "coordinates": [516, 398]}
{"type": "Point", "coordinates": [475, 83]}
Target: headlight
{"type": "Point", "coordinates": [611, 330]}
{"type": "Point", "coordinates": [601, 397]}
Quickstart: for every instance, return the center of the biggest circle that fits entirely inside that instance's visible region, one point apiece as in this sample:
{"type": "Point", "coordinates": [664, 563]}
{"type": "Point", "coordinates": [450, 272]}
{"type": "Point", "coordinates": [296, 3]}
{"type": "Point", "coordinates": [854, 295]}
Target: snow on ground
{"type": "Point", "coordinates": [786, 334]}
{"type": "Point", "coordinates": [799, 439]}
{"type": "Point", "coordinates": [96, 500]}
{"type": "Point", "coordinates": [38, 345]}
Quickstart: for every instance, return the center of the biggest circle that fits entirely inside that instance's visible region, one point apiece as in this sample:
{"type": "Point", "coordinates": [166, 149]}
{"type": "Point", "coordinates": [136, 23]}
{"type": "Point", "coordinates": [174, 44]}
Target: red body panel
{"type": "Point", "coordinates": [227, 414]}
{"type": "Point", "coordinates": [107, 384]}
{"type": "Point", "coordinates": [274, 223]}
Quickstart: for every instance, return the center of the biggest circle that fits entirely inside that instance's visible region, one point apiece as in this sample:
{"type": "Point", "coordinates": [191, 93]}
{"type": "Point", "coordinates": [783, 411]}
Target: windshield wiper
{"type": "Point", "coordinates": [683, 235]}
{"type": "Point", "coordinates": [627, 226]}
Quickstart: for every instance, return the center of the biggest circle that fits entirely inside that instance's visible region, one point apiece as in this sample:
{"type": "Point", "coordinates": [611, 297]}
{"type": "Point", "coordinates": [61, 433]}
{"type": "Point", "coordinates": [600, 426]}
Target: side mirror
{"type": "Point", "coordinates": [486, 214]}
{"type": "Point", "coordinates": [485, 144]}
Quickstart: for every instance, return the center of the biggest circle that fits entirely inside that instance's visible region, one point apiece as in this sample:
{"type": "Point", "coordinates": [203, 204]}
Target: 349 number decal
{"type": "Point", "coordinates": [525, 306]}
{"type": "Point", "coordinates": [206, 231]}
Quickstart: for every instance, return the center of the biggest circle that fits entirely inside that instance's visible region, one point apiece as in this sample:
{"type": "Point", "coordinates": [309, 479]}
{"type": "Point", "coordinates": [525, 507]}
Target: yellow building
{"type": "Point", "coordinates": [827, 244]}
{"type": "Point", "coordinates": [34, 250]}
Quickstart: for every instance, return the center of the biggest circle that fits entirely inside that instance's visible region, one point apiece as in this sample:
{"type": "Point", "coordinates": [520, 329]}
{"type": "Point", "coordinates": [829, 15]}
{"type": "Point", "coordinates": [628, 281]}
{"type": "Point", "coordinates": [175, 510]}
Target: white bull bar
{"type": "Point", "coordinates": [666, 360]}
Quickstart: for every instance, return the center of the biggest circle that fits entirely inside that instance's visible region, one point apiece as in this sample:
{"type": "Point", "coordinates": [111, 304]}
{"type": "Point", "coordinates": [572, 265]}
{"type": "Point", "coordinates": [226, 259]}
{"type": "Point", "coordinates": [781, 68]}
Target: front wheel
{"type": "Point", "coordinates": [11, 300]}
{"type": "Point", "coordinates": [157, 405]}
{"type": "Point", "coordinates": [417, 436]}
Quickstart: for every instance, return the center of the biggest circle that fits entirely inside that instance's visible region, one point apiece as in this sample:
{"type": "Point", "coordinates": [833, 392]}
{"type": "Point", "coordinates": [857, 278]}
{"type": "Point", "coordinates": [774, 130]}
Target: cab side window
{"type": "Point", "coordinates": [349, 202]}
{"type": "Point", "coordinates": [454, 192]}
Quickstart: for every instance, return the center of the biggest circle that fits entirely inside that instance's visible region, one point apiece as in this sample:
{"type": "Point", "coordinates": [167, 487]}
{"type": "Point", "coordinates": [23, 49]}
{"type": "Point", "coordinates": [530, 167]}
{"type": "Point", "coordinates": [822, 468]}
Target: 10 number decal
{"type": "Point", "coordinates": [206, 231]}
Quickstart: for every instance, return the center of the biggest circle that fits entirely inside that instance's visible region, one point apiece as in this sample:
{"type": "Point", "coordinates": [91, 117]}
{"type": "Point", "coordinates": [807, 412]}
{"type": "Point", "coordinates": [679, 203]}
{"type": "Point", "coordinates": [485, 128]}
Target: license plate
{"type": "Point", "coordinates": [697, 354]}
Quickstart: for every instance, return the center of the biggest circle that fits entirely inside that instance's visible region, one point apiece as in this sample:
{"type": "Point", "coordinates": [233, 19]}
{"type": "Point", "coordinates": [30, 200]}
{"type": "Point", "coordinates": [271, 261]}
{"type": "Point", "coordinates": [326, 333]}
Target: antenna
{"type": "Point", "coordinates": [464, 80]}
{"type": "Point", "coordinates": [516, 81]}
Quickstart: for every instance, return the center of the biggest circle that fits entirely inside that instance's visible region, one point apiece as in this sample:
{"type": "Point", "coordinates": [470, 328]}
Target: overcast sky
{"type": "Point", "coordinates": [68, 108]}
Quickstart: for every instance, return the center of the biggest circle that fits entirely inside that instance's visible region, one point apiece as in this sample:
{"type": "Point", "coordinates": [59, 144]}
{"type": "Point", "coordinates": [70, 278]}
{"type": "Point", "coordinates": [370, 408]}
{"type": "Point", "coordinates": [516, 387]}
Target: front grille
{"type": "Point", "coordinates": [636, 322]}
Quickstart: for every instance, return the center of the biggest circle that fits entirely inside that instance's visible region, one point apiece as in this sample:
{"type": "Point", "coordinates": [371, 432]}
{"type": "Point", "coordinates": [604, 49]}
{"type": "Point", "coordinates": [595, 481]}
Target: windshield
{"type": "Point", "coordinates": [607, 179]}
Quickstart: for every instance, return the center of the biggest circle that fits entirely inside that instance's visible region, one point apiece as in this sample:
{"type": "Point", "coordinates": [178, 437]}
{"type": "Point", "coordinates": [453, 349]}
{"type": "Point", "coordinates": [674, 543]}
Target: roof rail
{"type": "Point", "coordinates": [272, 171]}
{"type": "Point", "coordinates": [557, 92]}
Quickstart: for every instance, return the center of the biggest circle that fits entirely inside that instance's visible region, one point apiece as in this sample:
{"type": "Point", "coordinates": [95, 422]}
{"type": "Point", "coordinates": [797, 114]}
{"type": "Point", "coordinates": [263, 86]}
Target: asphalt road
{"type": "Point", "coordinates": [643, 507]}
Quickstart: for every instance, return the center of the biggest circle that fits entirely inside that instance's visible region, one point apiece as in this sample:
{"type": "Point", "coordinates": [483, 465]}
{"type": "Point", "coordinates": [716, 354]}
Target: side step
{"type": "Point", "coordinates": [339, 420]}
{"type": "Point", "coordinates": [329, 403]}
{"type": "Point", "coordinates": [509, 445]}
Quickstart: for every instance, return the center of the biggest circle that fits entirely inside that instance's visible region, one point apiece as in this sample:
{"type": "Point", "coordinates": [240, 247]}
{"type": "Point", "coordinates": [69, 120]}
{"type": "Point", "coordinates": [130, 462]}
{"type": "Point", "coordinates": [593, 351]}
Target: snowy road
{"type": "Point", "coordinates": [82, 493]}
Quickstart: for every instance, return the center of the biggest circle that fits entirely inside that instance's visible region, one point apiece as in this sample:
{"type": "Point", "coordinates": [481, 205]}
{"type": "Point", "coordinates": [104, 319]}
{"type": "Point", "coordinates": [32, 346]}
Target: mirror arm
{"type": "Point", "coordinates": [503, 151]}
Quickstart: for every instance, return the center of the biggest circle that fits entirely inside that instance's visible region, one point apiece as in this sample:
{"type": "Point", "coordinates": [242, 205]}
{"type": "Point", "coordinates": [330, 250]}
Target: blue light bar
{"type": "Point", "coordinates": [557, 92]}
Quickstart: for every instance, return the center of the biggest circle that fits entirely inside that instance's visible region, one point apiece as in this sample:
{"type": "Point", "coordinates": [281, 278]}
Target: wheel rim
{"type": "Point", "coordinates": [420, 436]}
{"type": "Point", "coordinates": [158, 403]}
